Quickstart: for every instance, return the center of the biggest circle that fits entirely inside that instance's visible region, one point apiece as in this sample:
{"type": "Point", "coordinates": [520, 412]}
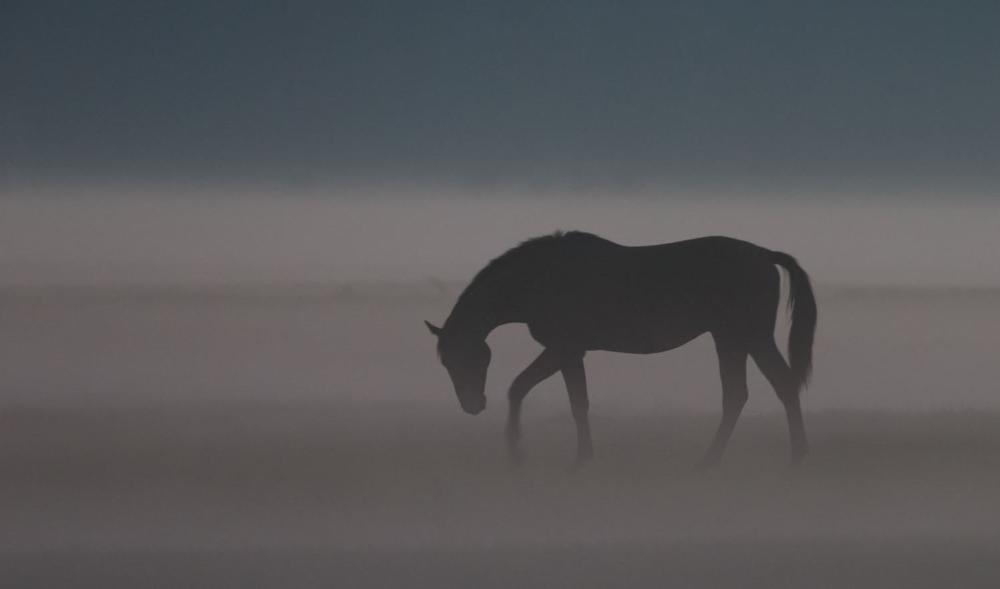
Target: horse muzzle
{"type": "Point", "coordinates": [474, 406]}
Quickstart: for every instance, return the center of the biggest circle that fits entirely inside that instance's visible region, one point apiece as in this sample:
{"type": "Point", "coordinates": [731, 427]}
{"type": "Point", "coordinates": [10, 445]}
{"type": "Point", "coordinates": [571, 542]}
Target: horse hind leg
{"type": "Point", "coordinates": [733, 372]}
{"type": "Point", "coordinates": [772, 364]}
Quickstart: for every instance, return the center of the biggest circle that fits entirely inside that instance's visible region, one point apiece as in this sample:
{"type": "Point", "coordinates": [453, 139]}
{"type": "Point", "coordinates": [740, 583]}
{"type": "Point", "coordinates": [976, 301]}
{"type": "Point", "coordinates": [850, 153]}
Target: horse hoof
{"type": "Point", "coordinates": [581, 460]}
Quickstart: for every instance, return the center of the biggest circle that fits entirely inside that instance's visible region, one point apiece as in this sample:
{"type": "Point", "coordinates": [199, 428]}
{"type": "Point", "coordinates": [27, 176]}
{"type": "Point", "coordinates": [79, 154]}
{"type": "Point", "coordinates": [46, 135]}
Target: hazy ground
{"type": "Point", "coordinates": [307, 438]}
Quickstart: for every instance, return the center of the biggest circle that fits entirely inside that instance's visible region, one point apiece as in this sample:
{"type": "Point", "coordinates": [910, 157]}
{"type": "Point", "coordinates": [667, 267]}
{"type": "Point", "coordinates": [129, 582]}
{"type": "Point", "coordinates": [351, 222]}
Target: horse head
{"type": "Point", "coordinates": [466, 360]}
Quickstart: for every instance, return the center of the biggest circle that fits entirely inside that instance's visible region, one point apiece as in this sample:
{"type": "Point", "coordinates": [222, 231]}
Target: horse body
{"type": "Point", "coordinates": [644, 300]}
{"type": "Point", "coordinates": [578, 292]}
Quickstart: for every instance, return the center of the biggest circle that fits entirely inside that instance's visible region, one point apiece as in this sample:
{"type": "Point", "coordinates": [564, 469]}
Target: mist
{"type": "Point", "coordinates": [236, 386]}
{"type": "Point", "coordinates": [223, 225]}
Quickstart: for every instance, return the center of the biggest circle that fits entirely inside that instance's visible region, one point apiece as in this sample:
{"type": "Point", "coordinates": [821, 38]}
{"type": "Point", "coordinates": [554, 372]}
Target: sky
{"type": "Point", "coordinates": [537, 92]}
{"type": "Point", "coordinates": [338, 141]}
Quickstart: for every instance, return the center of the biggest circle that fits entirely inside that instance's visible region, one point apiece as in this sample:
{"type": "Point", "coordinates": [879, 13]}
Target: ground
{"type": "Point", "coordinates": [304, 439]}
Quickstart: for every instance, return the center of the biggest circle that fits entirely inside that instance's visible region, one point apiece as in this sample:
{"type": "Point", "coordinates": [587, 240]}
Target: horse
{"type": "Point", "coordinates": [578, 292]}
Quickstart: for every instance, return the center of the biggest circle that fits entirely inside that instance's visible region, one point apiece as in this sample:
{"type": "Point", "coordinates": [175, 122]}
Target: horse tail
{"type": "Point", "coordinates": [802, 304]}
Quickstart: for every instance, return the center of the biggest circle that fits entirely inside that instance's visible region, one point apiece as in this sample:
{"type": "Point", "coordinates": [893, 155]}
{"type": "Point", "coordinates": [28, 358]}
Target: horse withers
{"type": "Point", "coordinates": [579, 292]}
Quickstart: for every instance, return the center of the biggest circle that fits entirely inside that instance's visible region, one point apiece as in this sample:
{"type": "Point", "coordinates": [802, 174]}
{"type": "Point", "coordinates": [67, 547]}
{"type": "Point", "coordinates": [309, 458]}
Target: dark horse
{"type": "Point", "coordinates": [579, 292]}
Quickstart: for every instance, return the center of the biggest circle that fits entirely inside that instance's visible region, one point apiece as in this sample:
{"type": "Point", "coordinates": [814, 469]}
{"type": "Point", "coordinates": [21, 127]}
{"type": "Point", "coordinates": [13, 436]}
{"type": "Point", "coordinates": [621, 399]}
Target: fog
{"type": "Point", "coordinates": [214, 390]}
{"type": "Point", "coordinates": [223, 224]}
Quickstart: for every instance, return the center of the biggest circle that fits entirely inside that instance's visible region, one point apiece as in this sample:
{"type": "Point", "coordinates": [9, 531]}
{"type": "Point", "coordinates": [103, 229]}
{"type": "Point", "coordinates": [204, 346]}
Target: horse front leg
{"type": "Point", "coordinates": [576, 385]}
{"type": "Point", "coordinates": [542, 367]}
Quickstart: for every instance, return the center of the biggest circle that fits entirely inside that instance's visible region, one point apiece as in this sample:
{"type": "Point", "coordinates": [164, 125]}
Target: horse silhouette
{"type": "Point", "coordinates": [579, 292]}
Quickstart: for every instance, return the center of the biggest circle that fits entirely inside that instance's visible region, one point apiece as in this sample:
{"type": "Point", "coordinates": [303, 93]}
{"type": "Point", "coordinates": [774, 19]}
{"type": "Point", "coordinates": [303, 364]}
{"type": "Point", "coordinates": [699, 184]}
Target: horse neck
{"type": "Point", "coordinates": [486, 304]}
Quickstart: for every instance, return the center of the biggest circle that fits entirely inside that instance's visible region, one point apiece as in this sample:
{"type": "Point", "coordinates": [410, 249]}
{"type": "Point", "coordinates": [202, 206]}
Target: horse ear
{"type": "Point", "coordinates": [433, 328]}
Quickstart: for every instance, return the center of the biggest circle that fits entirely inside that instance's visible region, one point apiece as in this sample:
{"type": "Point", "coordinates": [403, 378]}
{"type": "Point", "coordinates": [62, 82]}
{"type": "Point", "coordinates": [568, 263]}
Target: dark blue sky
{"type": "Point", "coordinates": [548, 92]}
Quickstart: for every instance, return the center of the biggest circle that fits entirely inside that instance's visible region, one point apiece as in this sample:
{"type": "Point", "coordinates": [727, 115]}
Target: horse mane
{"type": "Point", "coordinates": [524, 249]}
{"type": "Point", "coordinates": [529, 247]}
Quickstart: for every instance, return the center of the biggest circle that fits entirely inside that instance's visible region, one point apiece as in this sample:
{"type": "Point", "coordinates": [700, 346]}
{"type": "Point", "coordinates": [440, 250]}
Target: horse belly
{"type": "Point", "coordinates": [649, 338]}
{"type": "Point", "coordinates": [638, 332]}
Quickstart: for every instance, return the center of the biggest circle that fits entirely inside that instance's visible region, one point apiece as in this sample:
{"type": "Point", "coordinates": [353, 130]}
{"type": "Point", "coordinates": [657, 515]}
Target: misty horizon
{"type": "Point", "coordinates": [334, 236]}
